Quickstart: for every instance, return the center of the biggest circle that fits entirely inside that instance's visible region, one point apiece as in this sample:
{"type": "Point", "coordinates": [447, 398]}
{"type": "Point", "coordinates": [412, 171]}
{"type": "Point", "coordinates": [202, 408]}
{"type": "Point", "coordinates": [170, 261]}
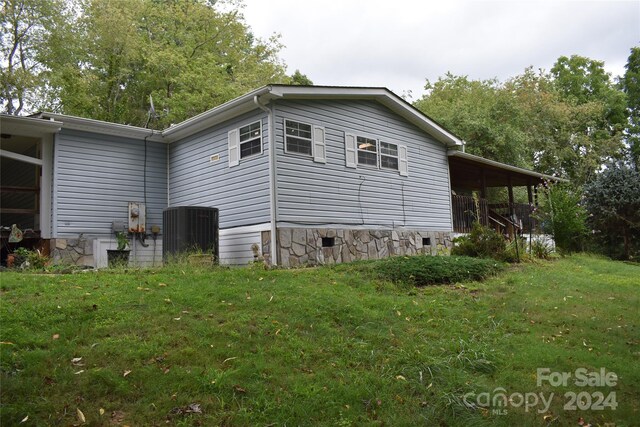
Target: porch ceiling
{"type": "Point", "coordinates": [467, 172]}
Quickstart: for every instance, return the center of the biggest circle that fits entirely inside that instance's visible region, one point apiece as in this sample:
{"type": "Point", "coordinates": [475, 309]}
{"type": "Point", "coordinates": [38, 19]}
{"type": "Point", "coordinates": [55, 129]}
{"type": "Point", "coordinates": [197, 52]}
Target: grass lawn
{"type": "Point", "coordinates": [318, 346]}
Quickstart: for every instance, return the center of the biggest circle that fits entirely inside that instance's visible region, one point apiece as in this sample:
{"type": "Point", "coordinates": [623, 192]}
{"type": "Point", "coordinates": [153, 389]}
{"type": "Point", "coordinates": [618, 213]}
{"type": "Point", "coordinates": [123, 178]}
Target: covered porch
{"type": "Point", "coordinates": [476, 175]}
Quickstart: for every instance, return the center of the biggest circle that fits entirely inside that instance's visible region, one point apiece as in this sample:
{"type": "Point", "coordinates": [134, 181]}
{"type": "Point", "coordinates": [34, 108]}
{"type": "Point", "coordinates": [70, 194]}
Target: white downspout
{"type": "Point", "coordinates": [272, 178]}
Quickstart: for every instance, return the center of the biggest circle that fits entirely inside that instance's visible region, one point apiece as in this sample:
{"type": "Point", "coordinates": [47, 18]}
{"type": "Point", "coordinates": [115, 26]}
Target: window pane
{"type": "Point", "coordinates": [367, 144]}
{"type": "Point", "coordinates": [389, 162]}
{"type": "Point", "coordinates": [298, 129]}
{"type": "Point", "coordinates": [250, 131]}
{"type": "Point", "coordinates": [297, 145]}
{"type": "Point", "coordinates": [367, 158]}
{"type": "Point", "coordinates": [389, 149]}
{"type": "Point", "coordinates": [250, 148]}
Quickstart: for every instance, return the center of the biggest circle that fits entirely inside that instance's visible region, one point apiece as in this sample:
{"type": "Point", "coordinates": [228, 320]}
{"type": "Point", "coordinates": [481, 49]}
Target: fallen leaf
{"type": "Point", "coordinates": [400, 377]}
{"type": "Point", "coordinates": [55, 336]}
{"type": "Point", "coordinates": [80, 415]}
{"type": "Point", "coordinates": [25, 419]}
{"type": "Point", "coordinates": [228, 359]}
{"type": "Point", "coordinates": [101, 411]}
{"type": "Point", "coordinates": [126, 373]}
{"type": "Point", "coordinates": [239, 389]}
{"type": "Point", "coordinates": [79, 372]}
{"type": "Point", "coordinates": [6, 343]}
{"type": "Point", "coordinates": [176, 318]}
{"type": "Point", "coordinates": [162, 285]}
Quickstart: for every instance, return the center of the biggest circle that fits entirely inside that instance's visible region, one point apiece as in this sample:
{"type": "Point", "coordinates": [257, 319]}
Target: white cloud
{"type": "Point", "coordinates": [399, 43]}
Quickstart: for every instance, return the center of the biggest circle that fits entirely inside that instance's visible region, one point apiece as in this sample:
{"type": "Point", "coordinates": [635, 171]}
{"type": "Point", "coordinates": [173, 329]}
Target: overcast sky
{"type": "Point", "coordinates": [400, 43]}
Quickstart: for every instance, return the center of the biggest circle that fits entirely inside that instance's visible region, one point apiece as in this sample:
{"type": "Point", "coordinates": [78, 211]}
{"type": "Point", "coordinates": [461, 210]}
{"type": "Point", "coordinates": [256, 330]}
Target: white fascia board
{"type": "Point", "coordinates": [456, 153]}
{"type": "Point", "coordinates": [107, 128]}
{"type": "Point", "coordinates": [216, 115]}
{"type": "Point", "coordinates": [28, 126]}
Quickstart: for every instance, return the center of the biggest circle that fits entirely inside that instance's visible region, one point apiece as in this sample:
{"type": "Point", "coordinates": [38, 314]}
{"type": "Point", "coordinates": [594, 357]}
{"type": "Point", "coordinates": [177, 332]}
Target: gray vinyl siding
{"type": "Point", "coordinates": [241, 192]}
{"type": "Point", "coordinates": [314, 193]}
{"type": "Point", "coordinates": [95, 178]}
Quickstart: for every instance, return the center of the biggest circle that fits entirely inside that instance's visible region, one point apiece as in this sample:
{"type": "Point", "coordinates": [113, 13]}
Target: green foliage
{"type": "Point", "coordinates": [481, 242]}
{"type": "Point", "coordinates": [297, 78]}
{"type": "Point", "coordinates": [104, 59]}
{"type": "Point", "coordinates": [29, 259]}
{"type": "Point", "coordinates": [421, 270]}
{"type": "Point", "coordinates": [567, 123]}
{"type": "Point", "coordinates": [631, 86]}
{"type": "Point", "coordinates": [562, 215]}
{"type": "Point", "coordinates": [122, 240]}
{"type": "Point", "coordinates": [541, 249]}
{"type": "Point", "coordinates": [613, 203]}
{"type": "Point", "coordinates": [26, 27]}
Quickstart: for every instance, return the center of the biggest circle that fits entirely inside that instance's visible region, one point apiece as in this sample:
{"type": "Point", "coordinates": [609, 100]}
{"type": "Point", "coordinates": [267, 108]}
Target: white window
{"type": "Point", "coordinates": [367, 151]}
{"type": "Point", "coordinates": [298, 138]}
{"type": "Point", "coordinates": [245, 142]}
{"type": "Point", "coordinates": [250, 140]}
{"type": "Point", "coordinates": [388, 155]}
{"type": "Point", "coordinates": [305, 139]}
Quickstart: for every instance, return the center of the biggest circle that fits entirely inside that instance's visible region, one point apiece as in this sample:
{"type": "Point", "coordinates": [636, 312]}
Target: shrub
{"type": "Point", "coordinates": [562, 215]}
{"type": "Point", "coordinates": [482, 242]}
{"type": "Point", "coordinates": [421, 270]}
{"type": "Point", "coordinates": [613, 203]}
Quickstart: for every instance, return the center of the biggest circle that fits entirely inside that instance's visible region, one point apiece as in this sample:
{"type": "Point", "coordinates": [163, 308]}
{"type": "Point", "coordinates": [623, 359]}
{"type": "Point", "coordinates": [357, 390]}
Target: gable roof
{"type": "Point", "coordinates": [265, 94]}
{"type": "Point", "coordinates": [258, 99]}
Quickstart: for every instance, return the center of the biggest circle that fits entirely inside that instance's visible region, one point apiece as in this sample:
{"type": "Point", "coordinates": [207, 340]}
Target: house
{"type": "Point", "coordinates": [335, 173]}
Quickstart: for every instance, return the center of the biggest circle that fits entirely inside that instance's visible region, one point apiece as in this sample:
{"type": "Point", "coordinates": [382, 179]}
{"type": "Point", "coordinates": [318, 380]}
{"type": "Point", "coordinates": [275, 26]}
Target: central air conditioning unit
{"type": "Point", "coordinates": [190, 229]}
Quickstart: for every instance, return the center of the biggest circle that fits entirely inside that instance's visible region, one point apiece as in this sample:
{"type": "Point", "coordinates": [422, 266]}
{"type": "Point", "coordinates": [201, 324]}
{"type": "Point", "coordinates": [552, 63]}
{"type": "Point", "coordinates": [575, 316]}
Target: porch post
{"type": "Point", "coordinates": [483, 177]}
{"type": "Point", "coordinates": [530, 193]}
{"type": "Point", "coordinates": [511, 210]}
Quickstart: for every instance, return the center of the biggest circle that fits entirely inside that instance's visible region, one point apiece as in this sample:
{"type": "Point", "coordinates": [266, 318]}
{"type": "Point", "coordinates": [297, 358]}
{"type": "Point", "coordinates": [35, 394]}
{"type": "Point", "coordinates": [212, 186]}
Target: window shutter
{"type": "Point", "coordinates": [234, 148]}
{"type": "Point", "coordinates": [351, 150]}
{"type": "Point", "coordinates": [403, 163]}
{"type": "Point", "coordinates": [319, 148]}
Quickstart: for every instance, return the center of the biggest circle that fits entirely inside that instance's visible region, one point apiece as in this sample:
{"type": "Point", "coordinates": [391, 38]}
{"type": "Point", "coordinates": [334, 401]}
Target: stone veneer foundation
{"type": "Point", "coordinates": [304, 246]}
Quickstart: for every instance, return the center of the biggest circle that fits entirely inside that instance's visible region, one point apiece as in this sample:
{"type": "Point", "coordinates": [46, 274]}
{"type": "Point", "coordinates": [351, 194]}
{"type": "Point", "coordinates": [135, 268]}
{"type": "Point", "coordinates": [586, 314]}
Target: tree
{"type": "Point", "coordinates": [187, 55]}
{"type": "Point", "coordinates": [631, 86]}
{"type": "Point", "coordinates": [27, 26]}
{"type": "Point", "coordinates": [566, 123]}
{"type": "Point", "coordinates": [481, 113]}
{"type": "Point", "coordinates": [613, 202]}
{"type": "Point", "coordinates": [297, 78]}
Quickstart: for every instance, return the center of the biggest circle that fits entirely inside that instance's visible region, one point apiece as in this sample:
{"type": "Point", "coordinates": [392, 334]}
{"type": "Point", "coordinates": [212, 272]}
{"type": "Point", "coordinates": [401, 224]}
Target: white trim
{"type": "Point", "coordinates": [240, 142]}
{"type": "Point", "coordinates": [265, 226]}
{"type": "Point", "coordinates": [108, 128]}
{"type": "Point", "coordinates": [46, 189]}
{"type": "Point", "coordinates": [28, 126]}
{"type": "Point", "coordinates": [295, 153]}
{"type": "Point", "coordinates": [20, 157]}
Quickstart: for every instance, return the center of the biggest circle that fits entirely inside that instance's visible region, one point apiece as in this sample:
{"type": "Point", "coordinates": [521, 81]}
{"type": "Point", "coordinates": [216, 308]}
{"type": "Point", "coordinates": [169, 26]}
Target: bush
{"type": "Point", "coordinates": [562, 215]}
{"type": "Point", "coordinates": [482, 242]}
{"type": "Point", "coordinates": [421, 270]}
{"type": "Point", "coordinates": [613, 203]}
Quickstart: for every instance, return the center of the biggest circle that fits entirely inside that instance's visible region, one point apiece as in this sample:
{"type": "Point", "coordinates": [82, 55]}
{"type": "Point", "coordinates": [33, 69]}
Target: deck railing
{"type": "Point", "coordinates": [504, 217]}
{"type": "Point", "coordinates": [466, 211]}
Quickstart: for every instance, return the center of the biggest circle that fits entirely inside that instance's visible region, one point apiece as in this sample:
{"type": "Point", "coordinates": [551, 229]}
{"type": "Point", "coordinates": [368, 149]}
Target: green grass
{"type": "Point", "coordinates": [317, 346]}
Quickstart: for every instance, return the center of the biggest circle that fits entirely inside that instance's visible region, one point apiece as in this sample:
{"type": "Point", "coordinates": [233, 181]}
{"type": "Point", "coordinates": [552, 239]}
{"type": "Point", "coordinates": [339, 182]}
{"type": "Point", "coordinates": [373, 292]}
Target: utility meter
{"type": "Point", "coordinates": [137, 217]}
